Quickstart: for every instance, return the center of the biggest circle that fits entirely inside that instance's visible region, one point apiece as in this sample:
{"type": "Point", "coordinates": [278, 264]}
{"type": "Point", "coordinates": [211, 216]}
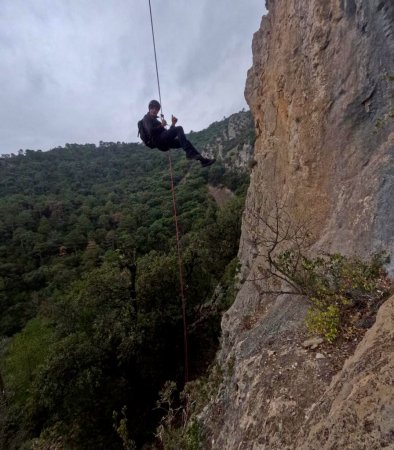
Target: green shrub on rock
{"type": "Point", "coordinates": [339, 288]}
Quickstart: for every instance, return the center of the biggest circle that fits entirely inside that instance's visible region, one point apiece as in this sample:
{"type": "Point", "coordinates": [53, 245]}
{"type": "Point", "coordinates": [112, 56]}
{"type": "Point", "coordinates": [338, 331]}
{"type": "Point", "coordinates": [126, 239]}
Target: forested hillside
{"type": "Point", "coordinates": [91, 318]}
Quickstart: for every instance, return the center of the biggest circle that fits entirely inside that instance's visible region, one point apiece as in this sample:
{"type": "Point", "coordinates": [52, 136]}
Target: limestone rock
{"type": "Point", "coordinates": [321, 90]}
{"type": "Point", "coordinates": [234, 146]}
{"type": "Point", "coordinates": [312, 343]}
{"type": "Point", "coordinates": [357, 410]}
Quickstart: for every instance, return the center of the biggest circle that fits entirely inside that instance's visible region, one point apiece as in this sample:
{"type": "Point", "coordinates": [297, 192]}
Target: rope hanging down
{"type": "Point", "coordinates": [178, 243]}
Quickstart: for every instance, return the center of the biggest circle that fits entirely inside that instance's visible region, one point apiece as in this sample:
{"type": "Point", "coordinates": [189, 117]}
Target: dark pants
{"type": "Point", "coordinates": [175, 138]}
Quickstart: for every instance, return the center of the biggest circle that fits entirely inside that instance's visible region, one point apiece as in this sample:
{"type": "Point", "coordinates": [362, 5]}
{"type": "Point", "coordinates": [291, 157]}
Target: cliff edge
{"type": "Point", "coordinates": [321, 91]}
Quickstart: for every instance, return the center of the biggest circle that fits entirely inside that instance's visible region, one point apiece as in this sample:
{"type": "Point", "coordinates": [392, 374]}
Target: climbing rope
{"type": "Point", "coordinates": [180, 265]}
{"type": "Point", "coordinates": [154, 50]}
{"type": "Point", "coordinates": [178, 240]}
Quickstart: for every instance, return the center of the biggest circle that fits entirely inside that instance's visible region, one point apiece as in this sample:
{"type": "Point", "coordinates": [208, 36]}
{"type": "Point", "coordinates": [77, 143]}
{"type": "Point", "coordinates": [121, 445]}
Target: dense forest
{"type": "Point", "coordinates": [90, 311]}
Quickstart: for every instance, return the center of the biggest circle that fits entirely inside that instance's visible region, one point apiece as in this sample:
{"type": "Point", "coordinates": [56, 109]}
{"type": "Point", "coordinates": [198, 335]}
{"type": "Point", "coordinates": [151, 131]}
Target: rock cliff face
{"type": "Point", "coordinates": [357, 410]}
{"type": "Point", "coordinates": [321, 91]}
{"type": "Point", "coordinates": [233, 143]}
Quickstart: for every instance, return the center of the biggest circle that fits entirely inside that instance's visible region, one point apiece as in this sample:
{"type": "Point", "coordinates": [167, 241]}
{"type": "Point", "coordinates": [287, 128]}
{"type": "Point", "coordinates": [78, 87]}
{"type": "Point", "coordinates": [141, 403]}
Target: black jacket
{"type": "Point", "coordinates": [153, 127]}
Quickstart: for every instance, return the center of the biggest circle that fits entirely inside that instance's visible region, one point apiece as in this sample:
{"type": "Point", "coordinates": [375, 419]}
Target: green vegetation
{"type": "Point", "coordinates": [340, 289]}
{"type": "Point", "coordinates": [383, 121]}
{"type": "Point", "coordinates": [219, 132]}
{"type": "Point", "coordinates": [86, 347]}
{"type": "Point", "coordinates": [180, 426]}
{"type": "Point", "coordinates": [343, 291]}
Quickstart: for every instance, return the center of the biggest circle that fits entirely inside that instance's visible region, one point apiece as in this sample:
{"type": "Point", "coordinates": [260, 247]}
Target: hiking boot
{"type": "Point", "coordinates": [205, 162]}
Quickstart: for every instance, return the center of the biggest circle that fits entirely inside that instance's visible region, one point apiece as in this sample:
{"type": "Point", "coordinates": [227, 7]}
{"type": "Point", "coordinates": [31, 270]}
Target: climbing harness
{"type": "Point", "coordinates": [178, 244]}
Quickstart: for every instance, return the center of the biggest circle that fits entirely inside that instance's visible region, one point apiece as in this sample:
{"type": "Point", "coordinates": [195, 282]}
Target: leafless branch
{"type": "Point", "coordinates": [275, 233]}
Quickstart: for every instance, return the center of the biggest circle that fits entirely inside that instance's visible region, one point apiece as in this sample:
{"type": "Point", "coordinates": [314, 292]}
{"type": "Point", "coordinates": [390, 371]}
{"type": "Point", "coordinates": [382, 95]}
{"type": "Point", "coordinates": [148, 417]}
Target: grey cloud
{"type": "Point", "coordinates": [76, 71]}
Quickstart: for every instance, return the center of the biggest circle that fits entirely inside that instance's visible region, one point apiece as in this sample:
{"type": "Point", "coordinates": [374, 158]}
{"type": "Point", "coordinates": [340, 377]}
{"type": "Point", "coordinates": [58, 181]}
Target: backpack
{"type": "Point", "coordinates": [144, 135]}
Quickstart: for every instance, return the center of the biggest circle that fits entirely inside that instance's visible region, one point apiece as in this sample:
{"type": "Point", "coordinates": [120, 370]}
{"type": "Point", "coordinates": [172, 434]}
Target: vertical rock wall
{"type": "Point", "coordinates": [321, 91]}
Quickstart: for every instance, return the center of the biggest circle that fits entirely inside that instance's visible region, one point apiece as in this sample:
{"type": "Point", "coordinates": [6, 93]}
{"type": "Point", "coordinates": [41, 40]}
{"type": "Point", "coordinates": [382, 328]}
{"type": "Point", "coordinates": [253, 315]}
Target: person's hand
{"type": "Point", "coordinates": [163, 122]}
{"type": "Point", "coordinates": [174, 120]}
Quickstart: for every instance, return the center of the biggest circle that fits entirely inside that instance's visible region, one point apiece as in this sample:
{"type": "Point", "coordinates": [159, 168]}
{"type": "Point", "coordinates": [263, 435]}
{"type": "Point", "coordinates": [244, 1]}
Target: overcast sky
{"type": "Point", "coordinates": [83, 70]}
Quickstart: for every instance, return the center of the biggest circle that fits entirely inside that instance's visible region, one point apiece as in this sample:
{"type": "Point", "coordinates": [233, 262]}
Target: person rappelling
{"type": "Point", "coordinates": [154, 134]}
